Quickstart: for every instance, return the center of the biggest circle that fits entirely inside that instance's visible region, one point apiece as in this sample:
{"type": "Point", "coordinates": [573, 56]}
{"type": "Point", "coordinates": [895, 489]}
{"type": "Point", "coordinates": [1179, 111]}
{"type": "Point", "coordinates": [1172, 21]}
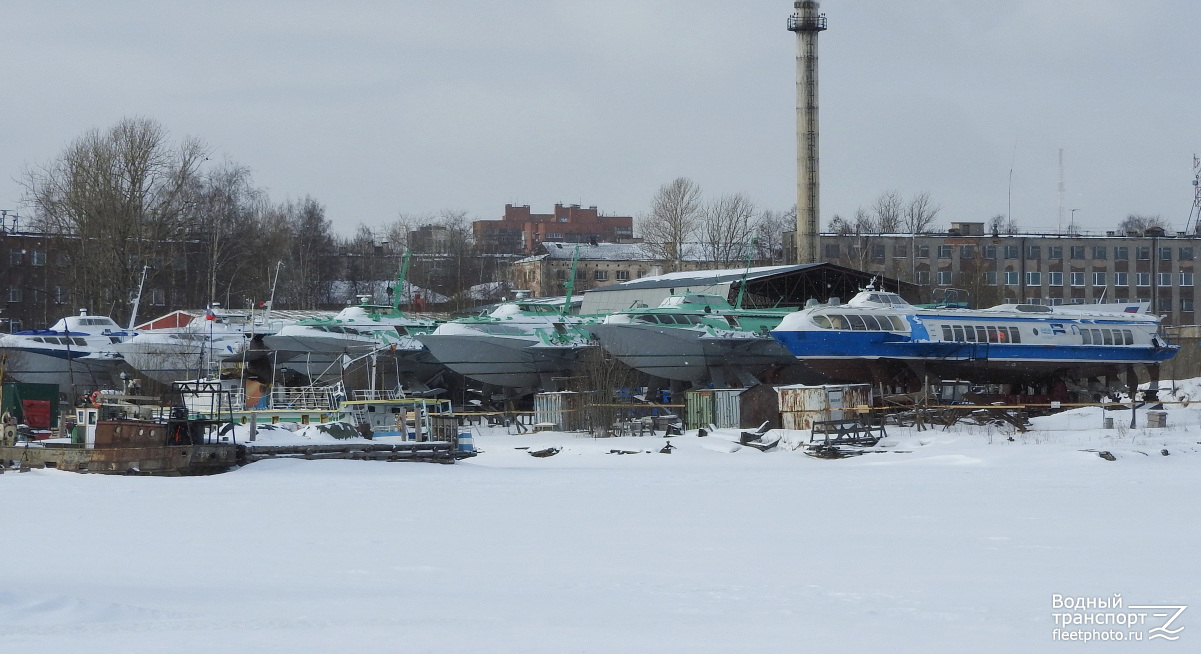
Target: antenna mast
{"type": "Point", "coordinates": [1195, 212]}
{"type": "Point", "coordinates": [1061, 190]}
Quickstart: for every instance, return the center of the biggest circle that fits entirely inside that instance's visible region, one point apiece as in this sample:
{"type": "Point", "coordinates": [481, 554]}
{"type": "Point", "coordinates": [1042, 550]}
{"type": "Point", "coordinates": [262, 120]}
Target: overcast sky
{"type": "Point", "coordinates": [378, 108]}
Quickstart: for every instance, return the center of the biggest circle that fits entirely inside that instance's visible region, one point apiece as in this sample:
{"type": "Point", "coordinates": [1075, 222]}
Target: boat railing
{"type": "Point", "coordinates": [378, 395]}
{"type": "Point", "coordinates": [307, 397]}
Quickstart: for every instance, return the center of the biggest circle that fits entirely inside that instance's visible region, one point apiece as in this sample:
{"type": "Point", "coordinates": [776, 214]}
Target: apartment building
{"type": "Point", "coordinates": [1050, 269]}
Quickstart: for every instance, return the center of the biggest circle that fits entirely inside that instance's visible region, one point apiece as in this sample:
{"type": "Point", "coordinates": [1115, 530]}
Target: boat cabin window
{"type": "Point", "coordinates": [857, 322]}
{"type": "Point", "coordinates": [981, 334]}
{"type": "Point", "coordinates": [403, 331]}
{"type": "Point", "coordinates": [1107, 337]}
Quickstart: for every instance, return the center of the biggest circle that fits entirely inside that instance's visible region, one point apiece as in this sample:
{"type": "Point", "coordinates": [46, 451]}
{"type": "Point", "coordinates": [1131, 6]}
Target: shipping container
{"type": "Point", "coordinates": [727, 408]}
{"type": "Point", "coordinates": [698, 408]}
{"type": "Point", "coordinates": [801, 406]}
{"type": "Point", "coordinates": [562, 409]}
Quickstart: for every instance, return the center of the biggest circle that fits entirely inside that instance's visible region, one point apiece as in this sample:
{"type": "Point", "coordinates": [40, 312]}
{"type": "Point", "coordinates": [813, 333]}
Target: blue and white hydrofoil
{"type": "Point", "coordinates": [879, 337]}
{"type": "Point", "coordinates": [74, 353]}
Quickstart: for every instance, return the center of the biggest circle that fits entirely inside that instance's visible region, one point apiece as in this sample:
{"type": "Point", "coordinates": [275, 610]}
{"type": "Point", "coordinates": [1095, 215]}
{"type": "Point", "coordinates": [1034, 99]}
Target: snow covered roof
{"type": "Point", "coordinates": [379, 289]}
{"type": "Point", "coordinates": [489, 291]}
{"type": "Point", "coordinates": [702, 277]}
{"type": "Point", "coordinates": [598, 252]}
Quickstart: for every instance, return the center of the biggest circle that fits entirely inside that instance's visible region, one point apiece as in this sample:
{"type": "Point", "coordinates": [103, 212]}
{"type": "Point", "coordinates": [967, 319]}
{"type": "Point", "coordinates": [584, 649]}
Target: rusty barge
{"type": "Point", "coordinates": [129, 435]}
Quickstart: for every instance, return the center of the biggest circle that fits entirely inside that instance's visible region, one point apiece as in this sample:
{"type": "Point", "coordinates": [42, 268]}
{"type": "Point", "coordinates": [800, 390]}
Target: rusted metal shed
{"type": "Point", "coordinates": [801, 406]}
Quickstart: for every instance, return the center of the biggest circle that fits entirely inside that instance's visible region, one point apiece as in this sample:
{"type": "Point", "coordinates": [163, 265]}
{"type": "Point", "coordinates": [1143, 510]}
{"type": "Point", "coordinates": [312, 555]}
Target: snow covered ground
{"type": "Point", "coordinates": [950, 541]}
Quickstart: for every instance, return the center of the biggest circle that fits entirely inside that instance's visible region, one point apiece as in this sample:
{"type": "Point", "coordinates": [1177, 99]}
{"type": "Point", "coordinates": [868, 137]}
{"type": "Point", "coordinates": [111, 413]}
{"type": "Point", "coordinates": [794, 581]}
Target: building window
{"type": "Point", "coordinates": [1077, 279]}
{"type": "Point", "coordinates": [1121, 253]}
{"type": "Point", "coordinates": [1077, 252]}
{"type": "Point", "coordinates": [622, 275]}
{"type": "Point", "coordinates": [1165, 304]}
{"type": "Point", "coordinates": [1165, 254]}
{"type": "Point", "coordinates": [560, 275]}
{"type": "Point", "coordinates": [1121, 279]}
{"type": "Point", "coordinates": [877, 251]}
{"type": "Point", "coordinates": [1034, 252]}
{"type": "Point", "coordinates": [1186, 254]}
{"type": "Point", "coordinates": [14, 294]}
{"type": "Point", "coordinates": [944, 252]}
{"type": "Point", "coordinates": [967, 252]}
{"type": "Point", "coordinates": [1186, 279]}
{"type": "Point", "coordinates": [990, 252]}
{"type": "Point", "coordinates": [900, 250]}
{"type": "Point", "coordinates": [1077, 300]}
{"type": "Point", "coordinates": [1099, 252]}
{"type": "Point", "coordinates": [1011, 278]}
{"type": "Point", "coordinates": [1165, 279]}
{"type": "Point", "coordinates": [944, 277]}
{"type": "Point", "coordinates": [39, 257]}
{"type": "Point", "coordinates": [832, 251]}
{"type": "Point", "coordinates": [1186, 304]}
{"type": "Point", "coordinates": [60, 294]}
{"type": "Point", "coordinates": [600, 275]}
{"type": "Point", "coordinates": [923, 277]}
{"type": "Point", "coordinates": [1143, 253]}
{"type": "Point", "coordinates": [1099, 279]}
{"type": "Point", "coordinates": [1055, 252]}
{"type": "Point", "coordinates": [923, 252]}
{"type": "Point", "coordinates": [990, 277]}
{"type": "Point", "coordinates": [1142, 279]}
{"type": "Point", "coordinates": [16, 257]}
{"type": "Point", "coordinates": [1054, 279]}
{"type": "Point", "coordinates": [1011, 251]}
{"type": "Point", "coordinates": [157, 297]}
{"type": "Point", "coordinates": [641, 274]}
{"type": "Point", "coordinates": [1034, 278]}
{"type": "Point", "coordinates": [1055, 301]}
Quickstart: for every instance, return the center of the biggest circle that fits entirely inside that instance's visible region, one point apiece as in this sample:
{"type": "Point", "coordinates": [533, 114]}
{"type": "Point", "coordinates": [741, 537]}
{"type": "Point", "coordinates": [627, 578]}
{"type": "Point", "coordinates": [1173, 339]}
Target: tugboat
{"type": "Point", "coordinates": [124, 434]}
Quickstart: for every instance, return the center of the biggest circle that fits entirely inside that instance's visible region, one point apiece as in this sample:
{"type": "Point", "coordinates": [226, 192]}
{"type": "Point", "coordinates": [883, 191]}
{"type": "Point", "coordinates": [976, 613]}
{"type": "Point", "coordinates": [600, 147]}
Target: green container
{"type": "Point", "coordinates": [698, 409]}
{"type": "Point", "coordinates": [15, 393]}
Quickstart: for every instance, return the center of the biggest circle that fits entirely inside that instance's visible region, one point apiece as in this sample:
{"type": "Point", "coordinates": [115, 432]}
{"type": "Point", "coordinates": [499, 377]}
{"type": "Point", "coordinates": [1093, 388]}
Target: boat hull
{"type": "Point", "coordinates": [508, 362]}
{"type": "Point", "coordinates": [879, 356]}
{"type": "Point", "coordinates": [80, 371]}
{"type": "Point", "coordinates": [691, 355]}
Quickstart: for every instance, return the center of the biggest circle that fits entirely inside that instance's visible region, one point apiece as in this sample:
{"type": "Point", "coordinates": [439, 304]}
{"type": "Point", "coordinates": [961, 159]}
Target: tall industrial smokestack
{"type": "Point", "coordinates": [806, 22]}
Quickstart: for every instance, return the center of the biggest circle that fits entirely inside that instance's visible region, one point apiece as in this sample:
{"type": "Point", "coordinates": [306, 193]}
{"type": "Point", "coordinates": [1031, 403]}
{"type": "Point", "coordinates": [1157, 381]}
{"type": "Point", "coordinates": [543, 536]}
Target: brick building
{"type": "Point", "coordinates": [520, 231]}
{"type": "Point", "coordinates": [602, 264]}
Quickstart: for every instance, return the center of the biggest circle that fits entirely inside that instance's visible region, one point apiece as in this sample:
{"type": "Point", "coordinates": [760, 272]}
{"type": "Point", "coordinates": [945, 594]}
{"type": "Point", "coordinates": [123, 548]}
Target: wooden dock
{"type": "Point", "coordinates": [427, 452]}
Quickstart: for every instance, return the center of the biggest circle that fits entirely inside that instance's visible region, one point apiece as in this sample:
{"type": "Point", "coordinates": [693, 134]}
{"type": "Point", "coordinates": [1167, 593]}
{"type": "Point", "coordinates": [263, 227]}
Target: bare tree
{"type": "Point", "coordinates": [769, 229]}
{"type": "Point", "coordinates": [865, 223]}
{"type": "Point", "coordinates": [888, 212]}
{"type": "Point", "coordinates": [726, 229]}
{"type": "Point", "coordinates": [920, 213]}
{"type": "Point", "coordinates": [1141, 223]}
{"type": "Point", "coordinates": [672, 221]}
{"type": "Point", "coordinates": [1000, 224]}
{"type": "Point", "coordinates": [120, 194]}
{"type": "Point", "coordinates": [224, 208]}
{"type": "Point", "coordinates": [841, 226]}
{"type": "Point", "coordinates": [310, 250]}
